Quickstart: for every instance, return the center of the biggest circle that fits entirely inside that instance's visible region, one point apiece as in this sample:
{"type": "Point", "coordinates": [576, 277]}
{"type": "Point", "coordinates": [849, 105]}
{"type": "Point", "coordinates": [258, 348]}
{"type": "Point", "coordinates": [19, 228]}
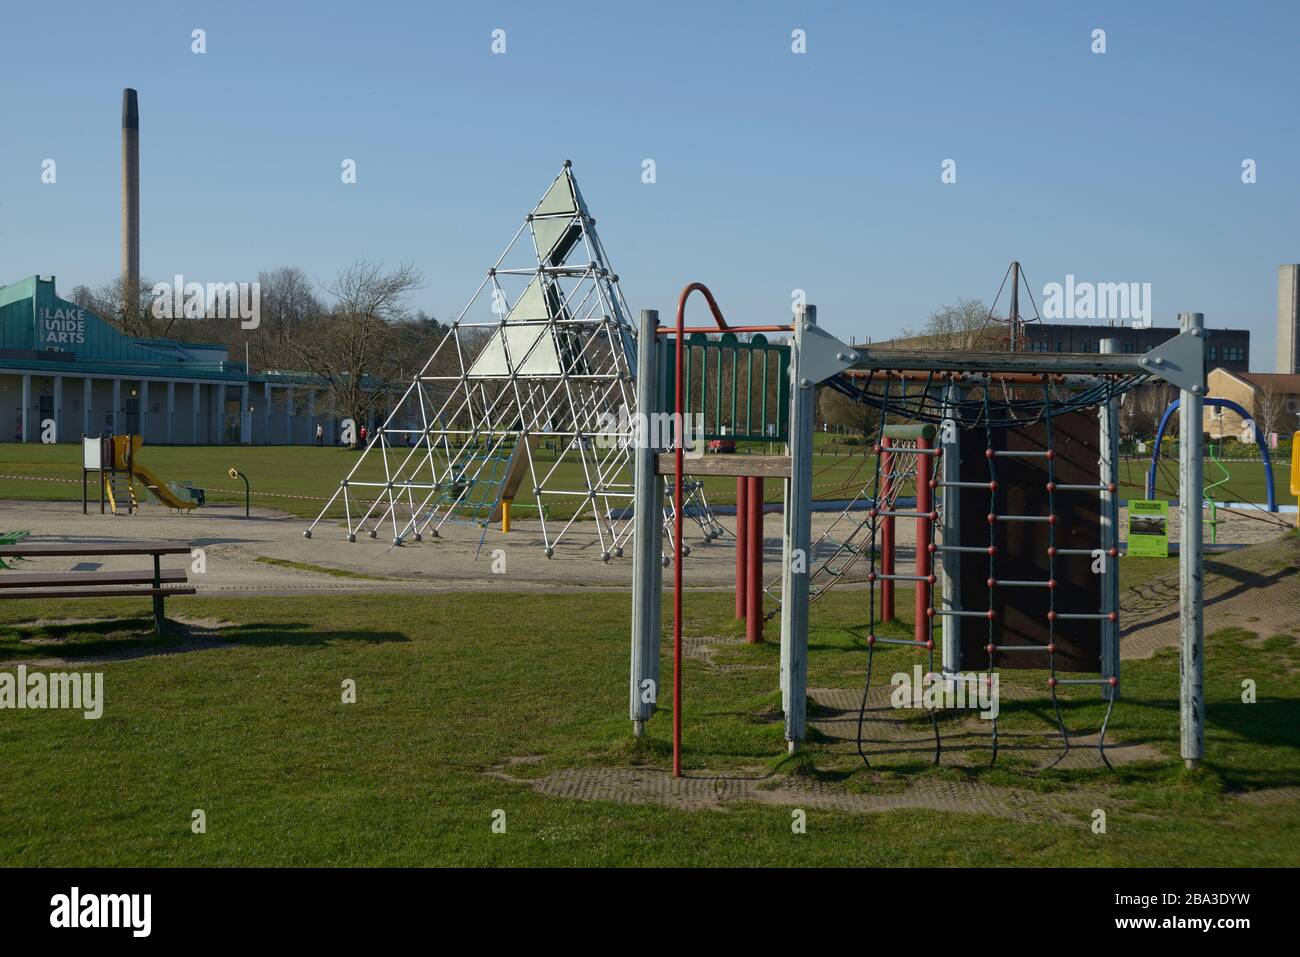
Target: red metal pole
{"type": "Point", "coordinates": [754, 589]}
{"type": "Point", "coordinates": [679, 403]}
{"type": "Point", "coordinates": [886, 531]}
{"type": "Point", "coordinates": [921, 630]}
{"type": "Point", "coordinates": [742, 554]}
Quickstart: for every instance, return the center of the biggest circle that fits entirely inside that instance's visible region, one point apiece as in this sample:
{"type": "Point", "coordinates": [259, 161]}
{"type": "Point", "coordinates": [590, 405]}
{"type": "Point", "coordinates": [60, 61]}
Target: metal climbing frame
{"type": "Point", "coordinates": [530, 391]}
{"type": "Point", "coordinates": [818, 357]}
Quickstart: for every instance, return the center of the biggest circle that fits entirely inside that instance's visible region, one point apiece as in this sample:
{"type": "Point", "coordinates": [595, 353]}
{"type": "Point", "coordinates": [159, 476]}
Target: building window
{"type": "Point", "coordinates": [1214, 352]}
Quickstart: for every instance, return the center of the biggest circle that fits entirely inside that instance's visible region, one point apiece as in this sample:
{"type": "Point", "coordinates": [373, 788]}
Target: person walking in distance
{"type": "Point", "coordinates": [320, 434]}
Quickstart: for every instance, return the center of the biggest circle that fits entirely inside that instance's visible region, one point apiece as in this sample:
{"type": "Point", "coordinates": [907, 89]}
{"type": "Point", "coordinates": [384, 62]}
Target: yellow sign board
{"type": "Point", "coordinates": [1295, 464]}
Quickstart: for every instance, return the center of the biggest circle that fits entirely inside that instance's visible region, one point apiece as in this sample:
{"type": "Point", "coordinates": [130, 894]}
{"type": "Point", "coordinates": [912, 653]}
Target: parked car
{"type": "Point", "coordinates": [722, 445]}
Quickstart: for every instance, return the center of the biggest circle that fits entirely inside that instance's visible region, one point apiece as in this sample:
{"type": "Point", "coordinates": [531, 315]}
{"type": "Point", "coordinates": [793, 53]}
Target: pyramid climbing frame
{"type": "Point", "coordinates": [527, 390]}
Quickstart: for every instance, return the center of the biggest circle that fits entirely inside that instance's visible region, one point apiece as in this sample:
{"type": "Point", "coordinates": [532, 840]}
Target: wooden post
{"type": "Point", "coordinates": [157, 599]}
{"type": "Point", "coordinates": [754, 562]}
{"type": "Point", "coordinates": [742, 538]}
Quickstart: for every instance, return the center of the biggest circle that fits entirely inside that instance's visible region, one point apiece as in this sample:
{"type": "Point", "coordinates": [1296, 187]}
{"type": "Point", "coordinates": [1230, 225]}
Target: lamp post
{"type": "Point", "coordinates": [236, 474]}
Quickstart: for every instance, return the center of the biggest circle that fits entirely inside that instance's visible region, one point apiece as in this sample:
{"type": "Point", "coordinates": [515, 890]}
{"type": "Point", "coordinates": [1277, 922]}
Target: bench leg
{"type": "Point", "coordinates": [157, 599]}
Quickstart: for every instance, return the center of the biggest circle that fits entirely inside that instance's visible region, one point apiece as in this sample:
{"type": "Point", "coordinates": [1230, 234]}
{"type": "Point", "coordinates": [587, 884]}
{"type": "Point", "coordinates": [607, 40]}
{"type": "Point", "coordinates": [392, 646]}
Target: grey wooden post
{"type": "Point", "coordinates": [1108, 471]}
{"type": "Point", "coordinates": [1191, 488]}
{"type": "Point", "coordinates": [648, 492]}
{"type": "Point", "coordinates": [794, 574]}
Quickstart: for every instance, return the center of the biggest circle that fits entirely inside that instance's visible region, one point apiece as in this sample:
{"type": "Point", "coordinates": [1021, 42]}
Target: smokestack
{"type": "Point", "coordinates": [130, 202]}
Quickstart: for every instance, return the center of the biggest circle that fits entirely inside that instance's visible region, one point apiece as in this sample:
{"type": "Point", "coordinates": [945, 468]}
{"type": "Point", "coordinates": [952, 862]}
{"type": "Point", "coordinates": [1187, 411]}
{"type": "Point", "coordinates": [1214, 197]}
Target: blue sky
{"type": "Point", "coordinates": [775, 171]}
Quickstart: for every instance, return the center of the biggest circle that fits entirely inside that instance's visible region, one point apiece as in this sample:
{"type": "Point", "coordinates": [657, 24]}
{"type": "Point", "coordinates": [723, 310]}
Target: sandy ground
{"type": "Point", "coordinates": [232, 544]}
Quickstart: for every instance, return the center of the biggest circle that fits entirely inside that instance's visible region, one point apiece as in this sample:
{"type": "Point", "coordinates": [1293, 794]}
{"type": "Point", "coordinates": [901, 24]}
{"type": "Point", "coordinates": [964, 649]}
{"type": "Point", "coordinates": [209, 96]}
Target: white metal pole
{"type": "Point", "coordinates": [1190, 566]}
{"type": "Point", "coordinates": [1108, 473]}
{"type": "Point", "coordinates": [794, 576]}
{"type": "Point", "coordinates": [647, 534]}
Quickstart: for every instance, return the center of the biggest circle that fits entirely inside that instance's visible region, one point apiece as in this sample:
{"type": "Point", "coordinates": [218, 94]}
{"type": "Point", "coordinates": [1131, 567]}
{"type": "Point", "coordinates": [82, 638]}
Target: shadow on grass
{"type": "Point", "coordinates": [130, 637]}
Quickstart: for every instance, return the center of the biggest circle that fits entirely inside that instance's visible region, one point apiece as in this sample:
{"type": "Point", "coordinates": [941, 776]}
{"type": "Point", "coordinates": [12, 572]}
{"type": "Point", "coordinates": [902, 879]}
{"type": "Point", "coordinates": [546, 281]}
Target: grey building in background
{"type": "Point", "coordinates": [1225, 348]}
{"type": "Point", "coordinates": [1288, 319]}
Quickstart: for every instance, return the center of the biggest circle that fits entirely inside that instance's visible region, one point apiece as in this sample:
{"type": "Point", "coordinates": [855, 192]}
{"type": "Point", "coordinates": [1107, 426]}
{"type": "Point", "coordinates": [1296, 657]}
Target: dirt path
{"type": "Point", "coordinates": [1256, 588]}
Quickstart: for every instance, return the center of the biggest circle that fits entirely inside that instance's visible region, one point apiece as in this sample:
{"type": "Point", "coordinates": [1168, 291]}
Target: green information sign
{"type": "Point", "coordinates": [1148, 528]}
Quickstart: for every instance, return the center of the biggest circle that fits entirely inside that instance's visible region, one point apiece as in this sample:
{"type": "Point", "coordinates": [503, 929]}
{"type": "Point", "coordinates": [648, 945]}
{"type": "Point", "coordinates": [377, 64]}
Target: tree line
{"type": "Point", "coordinates": [356, 334]}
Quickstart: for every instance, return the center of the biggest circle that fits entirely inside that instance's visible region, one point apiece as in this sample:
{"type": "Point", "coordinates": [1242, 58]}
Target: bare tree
{"type": "Point", "coordinates": [108, 300]}
{"type": "Point", "coordinates": [356, 347]}
{"type": "Point", "coordinates": [842, 412]}
{"type": "Point", "coordinates": [289, 306]}
{"type": "Point", "coordinates": [962, 325]}
{"type": "Point", "coordinates": [1270, 405]}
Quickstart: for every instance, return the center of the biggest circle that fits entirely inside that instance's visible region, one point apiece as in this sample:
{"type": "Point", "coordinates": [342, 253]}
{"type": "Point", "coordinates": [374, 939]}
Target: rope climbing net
{"type": "Point", "coordinates": [987, 404]}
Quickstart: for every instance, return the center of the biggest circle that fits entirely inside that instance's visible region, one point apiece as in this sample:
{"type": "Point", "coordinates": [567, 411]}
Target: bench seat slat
{"type": "Point", "coordinates": [59, 579]}
{"type": "Point", "coordinates": [98, 592]}
{"type": "Point", "coordinates": [30, 549]}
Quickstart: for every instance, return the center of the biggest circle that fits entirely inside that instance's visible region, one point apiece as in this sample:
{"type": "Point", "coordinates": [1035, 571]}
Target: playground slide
{"type": "Point", "coordinates": [159, 489]}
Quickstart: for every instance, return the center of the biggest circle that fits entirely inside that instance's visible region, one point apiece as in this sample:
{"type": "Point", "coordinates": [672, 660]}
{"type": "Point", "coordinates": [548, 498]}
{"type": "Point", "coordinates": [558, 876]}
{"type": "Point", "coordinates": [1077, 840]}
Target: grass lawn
{"type": "Point", "coordinates": [448, 686]}
{"type": "Point", "coordinates": [299, 479]}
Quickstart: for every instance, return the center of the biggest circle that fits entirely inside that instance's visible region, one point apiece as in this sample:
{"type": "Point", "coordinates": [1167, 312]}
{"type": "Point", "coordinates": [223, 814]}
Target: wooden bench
{"type": "Point", "coordinates": [158, 583]}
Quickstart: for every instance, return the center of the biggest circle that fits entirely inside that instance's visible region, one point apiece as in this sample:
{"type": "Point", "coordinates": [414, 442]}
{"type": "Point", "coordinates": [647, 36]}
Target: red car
{"type": "Point", "coordinates": [722, 445]}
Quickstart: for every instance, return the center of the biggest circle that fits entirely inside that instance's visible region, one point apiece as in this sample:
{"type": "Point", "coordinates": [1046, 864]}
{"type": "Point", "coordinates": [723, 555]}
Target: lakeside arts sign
{"type": "Point", "coordinates": [60, 327]}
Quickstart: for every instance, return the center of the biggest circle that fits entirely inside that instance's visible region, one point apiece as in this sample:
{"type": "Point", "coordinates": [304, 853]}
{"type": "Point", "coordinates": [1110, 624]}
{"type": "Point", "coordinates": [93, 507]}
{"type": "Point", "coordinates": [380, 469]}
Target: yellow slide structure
{"type": "Point", "coordinates": [125, 449]}
{"type": "Point", "coordinates": [160, 491]}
